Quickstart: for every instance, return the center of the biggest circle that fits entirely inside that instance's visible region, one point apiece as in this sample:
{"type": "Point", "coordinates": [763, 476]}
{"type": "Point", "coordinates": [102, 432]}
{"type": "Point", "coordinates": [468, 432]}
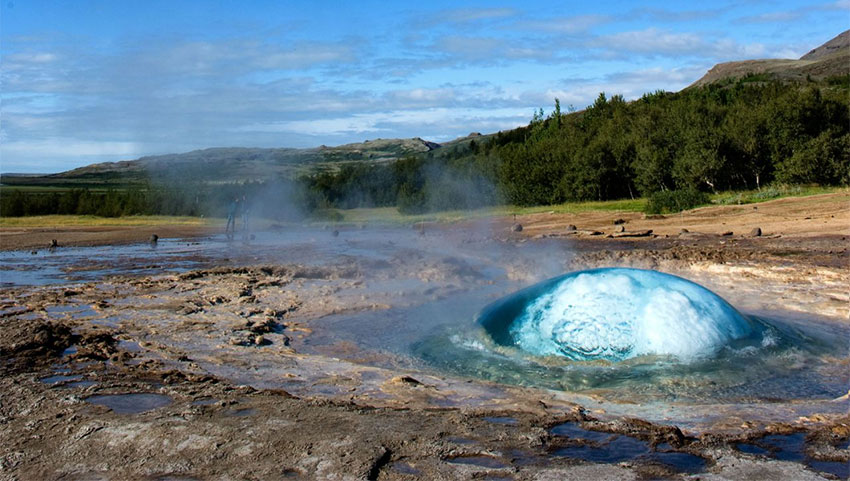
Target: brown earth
{"type": "Point", "coordinates": [258, 389]}
{"type": "Point", "coordinates": [792, 216]}
{"type": "Point", "coordinates": [795, 216]}
{"type": "Point", "coordinates": [15, 238]}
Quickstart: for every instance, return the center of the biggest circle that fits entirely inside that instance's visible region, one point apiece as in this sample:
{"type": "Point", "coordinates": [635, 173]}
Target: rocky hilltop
{"type": "Point", "coordinates": [233, 164]}
{"type": "Point", "coordinates": [829, 60]}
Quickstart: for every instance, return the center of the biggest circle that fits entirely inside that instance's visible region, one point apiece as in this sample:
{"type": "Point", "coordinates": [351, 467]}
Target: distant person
{"type": "Point", "coordinates": [230, 229]}
{"type": "Point", "coordinates": [246, 213]}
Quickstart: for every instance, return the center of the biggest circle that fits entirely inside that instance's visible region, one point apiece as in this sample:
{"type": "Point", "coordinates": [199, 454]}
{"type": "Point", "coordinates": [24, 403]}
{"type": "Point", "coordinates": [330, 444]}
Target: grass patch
{"type": "Point", "coordinates": [92, 220]}
{"type": "Point", "coordinates": [623, 205]}
{"type": "Point", "coordinates": [772, 192]}
{"type": "Point", "coordinates": [391, 215]}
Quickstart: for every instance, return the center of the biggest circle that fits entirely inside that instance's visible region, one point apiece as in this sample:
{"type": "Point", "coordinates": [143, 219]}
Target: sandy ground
{"type": "Point", "coordinates": [13, 238]}
{"type": "Point", "coordinates": [248, 387]}
{"type": "Point", "coordinates": [826, 214]}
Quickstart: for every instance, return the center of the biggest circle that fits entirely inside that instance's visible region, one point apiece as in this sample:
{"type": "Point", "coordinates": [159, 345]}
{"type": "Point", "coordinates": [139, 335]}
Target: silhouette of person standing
{"type": "Point", "coordinates": [246, 213]}
{"type": "Point", "coordinates": [230, 229]}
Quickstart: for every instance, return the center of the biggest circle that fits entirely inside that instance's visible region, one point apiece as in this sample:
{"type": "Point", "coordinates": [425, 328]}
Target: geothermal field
{"type": "Point", "coordinates": [465, 350]}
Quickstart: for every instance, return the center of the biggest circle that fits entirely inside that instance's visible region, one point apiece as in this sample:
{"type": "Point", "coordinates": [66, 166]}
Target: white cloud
{"type": "Point", "coordinates": [463, 15]}
{"type": "Point", "coordinates": [30, 58]}
{"type": "Point", "coordinates": [651, 40]}
{"type": "Point", "coordinates": [441, 122]}
{"type": "Point", "coordinates": [68, 147]}
{"type": "Point", "coordinates": [772, 17]}
{"type": "Point", "coordinates": [570, 25]}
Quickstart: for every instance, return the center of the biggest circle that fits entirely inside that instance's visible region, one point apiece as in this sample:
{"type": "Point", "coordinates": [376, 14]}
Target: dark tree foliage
{"type": "Point", "coordinates": [278, 199]}
{"type": "Point", "coordinates": [736, 135]}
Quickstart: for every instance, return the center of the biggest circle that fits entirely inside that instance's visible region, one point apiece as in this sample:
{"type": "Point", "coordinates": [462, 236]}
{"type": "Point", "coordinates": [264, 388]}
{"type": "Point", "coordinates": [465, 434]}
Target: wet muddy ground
{"type": "Point", "coordinates": [293, 357]}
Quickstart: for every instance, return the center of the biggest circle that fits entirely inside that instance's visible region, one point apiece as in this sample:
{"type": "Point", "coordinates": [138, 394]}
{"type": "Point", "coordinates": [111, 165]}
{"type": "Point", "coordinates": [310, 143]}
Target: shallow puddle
{"type": "Point", "coordinates": [842, 470]}
{"type": "Point", "coordinates": [131, 403]}
{"type": "Point", "coordinates": [404, 468]}
{"type": "Point", "coordinates": [129, 346]}
{"type": "Point", "coordinates": [787, 447]}
{"type": "Point", "coordinates": [574, 431]}
{"type": "Point", "coordinates": [482, 461]}
{"type": "Point", "coordinates": [682, 462]}
{"type": "Point", "coordinates": [79, 384]}
{"type": "Point", "coordinates": [60, 378]}
{"type": "Point", "coordinates": [460, 440]}
{"type": "Point", "coordinates": [616, 448]}
{"type": "Point", "coordinates": [752, 449]}
{"type": "Point", "coordinates": [504, 420]}
{"type": "Point", "coordinates": [792, 447]}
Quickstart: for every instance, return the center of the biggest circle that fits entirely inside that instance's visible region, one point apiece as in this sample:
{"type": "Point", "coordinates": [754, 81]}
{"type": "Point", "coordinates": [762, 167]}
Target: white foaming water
{"type": "Point", "coordinates": [620, 313]}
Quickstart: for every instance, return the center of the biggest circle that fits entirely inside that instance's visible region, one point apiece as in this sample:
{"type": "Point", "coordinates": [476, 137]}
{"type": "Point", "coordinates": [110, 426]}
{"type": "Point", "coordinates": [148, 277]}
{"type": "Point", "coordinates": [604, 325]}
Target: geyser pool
{"type": "Point", "coordinates": [637, 336]}
{"type": "Point", "coordinates": [615, 314]}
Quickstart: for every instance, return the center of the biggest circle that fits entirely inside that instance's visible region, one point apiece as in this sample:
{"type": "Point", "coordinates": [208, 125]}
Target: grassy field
{"type": "Point", "coordinates": [770, 193]}
{"type": "Point", "coordinates": [390, 215]}
{"type": "Point", "coordinates": [91, 220]}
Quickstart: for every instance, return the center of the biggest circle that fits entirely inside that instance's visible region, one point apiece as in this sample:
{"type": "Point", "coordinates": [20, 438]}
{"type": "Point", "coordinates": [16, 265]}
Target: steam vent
{"type": "Point", "coordinates": [615, 314]}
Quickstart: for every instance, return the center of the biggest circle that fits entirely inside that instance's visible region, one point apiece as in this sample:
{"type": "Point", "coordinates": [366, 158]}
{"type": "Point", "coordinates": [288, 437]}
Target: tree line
{"type": "Point", "coordinates": [278, 199]}
{"type": "Point", "coordinates": [741, 134]}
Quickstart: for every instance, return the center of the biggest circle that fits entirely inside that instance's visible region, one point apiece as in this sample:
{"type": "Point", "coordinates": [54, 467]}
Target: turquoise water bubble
{"type": "Point", "coordinates": [616, 314]}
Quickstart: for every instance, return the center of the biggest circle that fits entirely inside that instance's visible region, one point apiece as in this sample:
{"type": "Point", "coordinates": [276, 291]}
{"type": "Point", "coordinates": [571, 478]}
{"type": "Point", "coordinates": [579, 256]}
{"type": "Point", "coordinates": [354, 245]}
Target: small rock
{"type": "Point", "coordinates": [406, 380]}
{"type": "Point", "coordinates": [620, 228]}
{"type": "Point", "coordinates": [153, 239]}
{"type": "Point", "coordinates": [755, 232]}
{"type": "Point", "coordinates": [516, 228]}
{"type": "Point", "coordinates": [260, 340]}
{"type": "Point", "coordinates": [727, 233]}
{"type": "Point", "coordinates": [637, 233]}
{"type": "Point", "coordinates": [619, 221]}
{"type": "Point", "coordinates": [572, 228]}
{"type": "Point", "coordinates": [683, 231]}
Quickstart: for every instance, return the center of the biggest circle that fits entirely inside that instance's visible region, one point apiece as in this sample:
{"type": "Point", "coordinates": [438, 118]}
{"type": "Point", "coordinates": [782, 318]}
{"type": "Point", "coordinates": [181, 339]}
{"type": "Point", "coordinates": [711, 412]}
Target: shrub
{"type": "Point", "coordinates": [675, 200]}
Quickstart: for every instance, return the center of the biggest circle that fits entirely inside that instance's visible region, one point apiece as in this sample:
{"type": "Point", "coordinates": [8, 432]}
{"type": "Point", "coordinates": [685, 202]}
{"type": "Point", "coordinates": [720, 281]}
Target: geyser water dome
{"type": "Point", "coordinates": [615, 314]}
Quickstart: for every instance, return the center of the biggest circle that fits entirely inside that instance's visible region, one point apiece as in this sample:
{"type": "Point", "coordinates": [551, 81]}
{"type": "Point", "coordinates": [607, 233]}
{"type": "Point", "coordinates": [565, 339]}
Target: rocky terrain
{"type": "Point", "coordinates": [241, 370]}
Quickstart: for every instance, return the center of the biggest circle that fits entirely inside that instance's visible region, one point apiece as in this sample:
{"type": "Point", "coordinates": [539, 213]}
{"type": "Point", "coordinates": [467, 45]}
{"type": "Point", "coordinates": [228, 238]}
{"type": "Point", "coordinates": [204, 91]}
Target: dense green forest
{"type": "Point", "coordinates": [740, 134]}
{"type": "Point", "coordinates": [673, 148]}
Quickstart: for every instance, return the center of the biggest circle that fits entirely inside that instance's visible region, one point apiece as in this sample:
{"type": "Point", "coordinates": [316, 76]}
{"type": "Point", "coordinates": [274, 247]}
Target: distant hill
{"type": "Point", "coordinates": [829, 60]}
{"type": "Point", "coordinates": [232, 164]}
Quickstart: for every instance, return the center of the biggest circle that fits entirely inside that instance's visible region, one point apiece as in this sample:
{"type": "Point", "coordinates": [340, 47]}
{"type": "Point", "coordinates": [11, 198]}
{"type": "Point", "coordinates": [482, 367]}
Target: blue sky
{"type": "Point", "coordinates": [93, 81]}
